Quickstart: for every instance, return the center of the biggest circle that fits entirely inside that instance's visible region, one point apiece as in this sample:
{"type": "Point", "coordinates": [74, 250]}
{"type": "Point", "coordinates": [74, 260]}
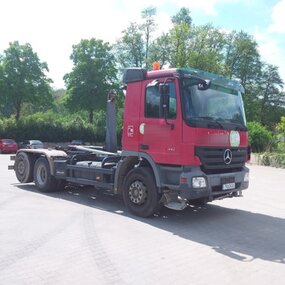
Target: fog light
{"type": "Point", "coordinates": [198, 182]}
{"type": "Point", "coordinates": [246, 177]}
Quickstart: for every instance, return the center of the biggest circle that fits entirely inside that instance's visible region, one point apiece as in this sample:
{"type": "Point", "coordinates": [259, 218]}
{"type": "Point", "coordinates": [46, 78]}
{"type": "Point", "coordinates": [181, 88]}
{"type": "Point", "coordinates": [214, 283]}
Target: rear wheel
{"type": "Point", "coordinates": [24, 167]}
{"type": "Point", "coordinates": [140, 193]}
{"type": "Point", "coordinates": [44, 181]}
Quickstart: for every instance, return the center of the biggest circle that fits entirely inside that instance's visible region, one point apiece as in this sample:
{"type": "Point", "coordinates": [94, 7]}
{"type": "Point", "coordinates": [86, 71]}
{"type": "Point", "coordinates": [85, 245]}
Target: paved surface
{"type": "Point", "coordinates": [85, 237]}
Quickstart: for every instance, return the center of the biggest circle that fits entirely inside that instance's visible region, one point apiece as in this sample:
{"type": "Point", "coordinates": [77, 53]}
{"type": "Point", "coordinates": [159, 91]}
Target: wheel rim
{"type": "Point", "coordinates": [21, 167]}
{"type": "Point", "coordinates": [41, 175]}
{"type": "Point", "coordinates": [137, 192]}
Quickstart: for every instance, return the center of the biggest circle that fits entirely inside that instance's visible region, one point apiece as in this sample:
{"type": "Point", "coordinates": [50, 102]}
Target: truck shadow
{"type": "Point", "coordinates": [238, 234]}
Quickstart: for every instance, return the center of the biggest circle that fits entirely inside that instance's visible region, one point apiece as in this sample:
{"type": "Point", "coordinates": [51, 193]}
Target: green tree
{"type": "Point", "coordinates": [259, 137]}
{"type": "Point", "coordinates": [179, 41]}
{"type": "Point", "coordinates": [183, 16]}
{"type": "Point", "coordinates": [205, 49]}
{"type": "Point", "coordinates": [129, 48]}
{"type": "Point", "coordinates": [148, 27]}
{"type": "Point", "coordinates": [160, 50]}
{"type": "Point", "coordinates": [242, 58]}
{"type": "Point", "coordinates": [23, 79]}
{"type": "Point", "coordinates": [179, 38]}
{"type": "Point", "coordinates": [269, 92]}
{"type": "Point", "coordinates": [281, 126]}
{"type": "Point", "coordinates": [92, 76]}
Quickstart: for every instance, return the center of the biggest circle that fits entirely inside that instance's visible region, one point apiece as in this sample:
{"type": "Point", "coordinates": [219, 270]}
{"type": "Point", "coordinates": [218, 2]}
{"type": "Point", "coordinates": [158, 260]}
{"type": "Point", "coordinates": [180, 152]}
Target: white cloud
{"type": "Point", "coordinates": [271, 50]}
{"type": "Point", "coordinates": [207, 6]}
{"type": "Point", "coordinates": [271, 45]}
{"type": "Point", "coordinates": [278, 19]}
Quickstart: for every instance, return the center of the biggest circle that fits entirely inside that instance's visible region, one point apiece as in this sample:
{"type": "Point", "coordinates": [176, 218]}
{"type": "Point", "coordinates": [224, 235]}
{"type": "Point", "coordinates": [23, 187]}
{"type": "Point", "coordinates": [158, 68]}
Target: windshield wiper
{"type": "Point", "coordinates": [238, 125]}
{"type": "Point", "coordinates": [208, 118]}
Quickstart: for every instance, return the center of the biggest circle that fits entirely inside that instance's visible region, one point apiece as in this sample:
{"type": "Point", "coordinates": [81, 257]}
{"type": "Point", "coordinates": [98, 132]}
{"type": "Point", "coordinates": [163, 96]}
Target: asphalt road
{"type": "Point", "coordinates": [86, 237]}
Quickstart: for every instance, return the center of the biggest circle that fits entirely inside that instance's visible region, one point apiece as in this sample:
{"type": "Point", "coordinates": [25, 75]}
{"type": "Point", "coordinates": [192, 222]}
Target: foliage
{"type": "Point", "coordinates": [92, 76]}
{"type": "Point", "coordinates": [183, 16]}
{"type": "Point", "coordinates": [130, 48]}
{"type": "Point", "coordinates": [281, 126]}
{"type": "Point", "coordinates": [206, 48]}
{"type": "Point", "coordinates": [259, 137]}
{"type": "Point", "coordinates": [273, 159]}
{"type": "Point", "coordinates": [160, 50]}
{"type": "Point", "coordinates": [23, 79]}
{"type": "Point", "coordinates": [242, 57]}
{"type": "Point", "coordinates": [280, 136]}
{"type": "Point", "coordinates": [269, 91]}
{"type": "Point", "coordinates": [51, 127]}
{"type": "Point", "coordinates": [148, 27]}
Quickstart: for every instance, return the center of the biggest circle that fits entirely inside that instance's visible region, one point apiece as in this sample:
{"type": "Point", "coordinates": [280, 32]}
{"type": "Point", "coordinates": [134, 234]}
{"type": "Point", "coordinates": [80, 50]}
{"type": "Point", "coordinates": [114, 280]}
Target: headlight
{"type": "Point", "coordinates": [199, 182]}
{"type": "Point", "coordinates": [246, 177]}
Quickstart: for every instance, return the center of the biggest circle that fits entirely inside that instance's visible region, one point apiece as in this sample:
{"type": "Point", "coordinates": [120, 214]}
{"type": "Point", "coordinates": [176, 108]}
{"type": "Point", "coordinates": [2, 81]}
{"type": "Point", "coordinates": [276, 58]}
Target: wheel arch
{"type": "Point", "coordinates": [49, 154]}
{"type": "Point", "coordinates": [128, 162]}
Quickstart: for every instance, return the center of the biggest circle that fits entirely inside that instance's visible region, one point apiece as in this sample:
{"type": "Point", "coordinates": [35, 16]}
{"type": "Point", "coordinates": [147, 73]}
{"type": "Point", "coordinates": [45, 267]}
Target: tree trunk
{"type": "Point", "coordinates": [18, 111]}
{"type": "Point", "coordinates": [91, 116]}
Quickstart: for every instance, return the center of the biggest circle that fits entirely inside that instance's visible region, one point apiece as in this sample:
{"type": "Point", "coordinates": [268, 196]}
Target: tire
{"type": "Point", "coordinates": [44, 181]}
{"type": "Point", "coordinates": [140, 193]}
{"type": "Point", "coordinates": [24, 167]}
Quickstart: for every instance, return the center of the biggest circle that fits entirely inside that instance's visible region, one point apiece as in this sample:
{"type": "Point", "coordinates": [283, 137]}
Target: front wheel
{"type": "Point", "coordinates": [140, 193]}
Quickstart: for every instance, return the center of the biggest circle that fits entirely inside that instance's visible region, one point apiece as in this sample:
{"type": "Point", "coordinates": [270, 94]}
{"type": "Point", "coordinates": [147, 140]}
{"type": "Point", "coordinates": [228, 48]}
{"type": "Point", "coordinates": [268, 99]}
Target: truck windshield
{"type": "Point", "coordinates": [217, 107]}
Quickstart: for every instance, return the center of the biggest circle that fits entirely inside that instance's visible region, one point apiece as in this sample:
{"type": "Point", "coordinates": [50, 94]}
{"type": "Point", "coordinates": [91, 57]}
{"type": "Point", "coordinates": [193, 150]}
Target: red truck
{"type": "Point", "coordinates": [184, 142]}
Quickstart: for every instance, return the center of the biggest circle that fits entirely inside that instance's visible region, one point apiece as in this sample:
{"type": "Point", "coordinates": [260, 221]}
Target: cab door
{"type": "Point", "coordinates": [160, 137]}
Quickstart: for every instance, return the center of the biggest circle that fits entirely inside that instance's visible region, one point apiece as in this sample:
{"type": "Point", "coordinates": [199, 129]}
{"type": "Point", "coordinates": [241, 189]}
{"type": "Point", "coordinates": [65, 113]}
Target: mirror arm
{"type": "Point", "coordinates": [166, 121]}
{"type": "Point", "coordinates": [169, 124]}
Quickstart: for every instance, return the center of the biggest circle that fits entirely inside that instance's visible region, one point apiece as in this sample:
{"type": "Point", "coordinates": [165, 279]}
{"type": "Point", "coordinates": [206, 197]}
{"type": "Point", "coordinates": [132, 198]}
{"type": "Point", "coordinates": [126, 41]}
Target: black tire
{"type": "Point", "coordinates": [44, 181]}
{"type": "Point", "coordinates": [24, 167]}
{"type": "Point", "coordinates": [140, 193]}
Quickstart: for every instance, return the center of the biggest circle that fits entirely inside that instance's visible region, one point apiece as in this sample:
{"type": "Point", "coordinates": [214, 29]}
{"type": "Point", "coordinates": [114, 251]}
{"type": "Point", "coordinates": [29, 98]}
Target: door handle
{"type": "Point", "coordinates": [144, 146]}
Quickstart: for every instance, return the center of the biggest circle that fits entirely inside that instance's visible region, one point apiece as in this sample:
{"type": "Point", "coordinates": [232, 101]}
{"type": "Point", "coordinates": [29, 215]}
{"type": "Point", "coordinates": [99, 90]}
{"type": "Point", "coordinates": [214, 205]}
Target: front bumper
{"type": "Point", "coordinates": [214, 184]}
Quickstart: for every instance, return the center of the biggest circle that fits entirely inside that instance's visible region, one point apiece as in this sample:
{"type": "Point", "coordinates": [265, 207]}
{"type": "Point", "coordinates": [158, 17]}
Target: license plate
{"type": "Point", "coordinates": [229, 186]}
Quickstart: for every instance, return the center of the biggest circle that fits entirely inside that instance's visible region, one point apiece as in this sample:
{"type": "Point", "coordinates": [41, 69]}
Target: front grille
{"type": "Point", "coordinates": [212, 159]}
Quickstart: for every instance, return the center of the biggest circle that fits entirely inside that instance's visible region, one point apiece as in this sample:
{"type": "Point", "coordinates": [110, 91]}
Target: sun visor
{"type": "Point", "coordinates": [133, 75]}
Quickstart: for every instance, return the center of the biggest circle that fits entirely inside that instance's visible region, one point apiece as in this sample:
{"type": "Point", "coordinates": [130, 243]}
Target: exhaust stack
{"type": "Point", "coordinates": [111, 133]}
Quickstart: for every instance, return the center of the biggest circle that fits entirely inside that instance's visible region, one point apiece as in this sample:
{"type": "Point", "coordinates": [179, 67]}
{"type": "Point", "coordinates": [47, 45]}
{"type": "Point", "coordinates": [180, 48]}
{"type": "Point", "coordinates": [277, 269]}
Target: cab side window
{"type": "Point", "coordinates": [152, 102]}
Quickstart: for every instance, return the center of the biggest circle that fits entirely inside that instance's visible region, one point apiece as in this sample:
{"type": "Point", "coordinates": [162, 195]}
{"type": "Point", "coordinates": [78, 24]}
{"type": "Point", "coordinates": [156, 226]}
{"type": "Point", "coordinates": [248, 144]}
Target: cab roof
{"type": "Point", "coordinates": [139, 74]}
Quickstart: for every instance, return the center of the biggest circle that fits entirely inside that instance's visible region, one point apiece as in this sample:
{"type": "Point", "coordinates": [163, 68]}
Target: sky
{"type": "Point", "coordinates": [53, 26]}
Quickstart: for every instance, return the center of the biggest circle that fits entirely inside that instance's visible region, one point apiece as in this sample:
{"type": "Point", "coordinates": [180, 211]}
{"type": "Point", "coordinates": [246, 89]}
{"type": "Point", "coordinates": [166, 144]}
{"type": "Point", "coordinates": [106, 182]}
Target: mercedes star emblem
{"type": "Point", "coordinates": [228, 156]}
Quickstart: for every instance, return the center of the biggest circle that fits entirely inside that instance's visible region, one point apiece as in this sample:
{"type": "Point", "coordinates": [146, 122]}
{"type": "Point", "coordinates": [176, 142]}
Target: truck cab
{"type": "Point", "coordinates": [190, 126]}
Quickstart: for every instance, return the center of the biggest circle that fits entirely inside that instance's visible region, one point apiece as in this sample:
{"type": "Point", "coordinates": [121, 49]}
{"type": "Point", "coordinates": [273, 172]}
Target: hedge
{"type": "Point", "coordinates": [273, 159]}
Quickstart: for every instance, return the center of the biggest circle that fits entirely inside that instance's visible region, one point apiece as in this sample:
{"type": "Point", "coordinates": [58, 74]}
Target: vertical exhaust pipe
{"type": "Point", "coordinates": [111, 132]}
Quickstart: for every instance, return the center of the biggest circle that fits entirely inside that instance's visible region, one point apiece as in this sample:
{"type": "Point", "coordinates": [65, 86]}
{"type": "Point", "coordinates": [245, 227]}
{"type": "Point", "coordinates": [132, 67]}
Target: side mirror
{"type": "Point", "coordinates": [164, 99]}
{"type": "Point", "coordinates": [164, 89]}
{"type": "Point", "coordinates": [204, 85]}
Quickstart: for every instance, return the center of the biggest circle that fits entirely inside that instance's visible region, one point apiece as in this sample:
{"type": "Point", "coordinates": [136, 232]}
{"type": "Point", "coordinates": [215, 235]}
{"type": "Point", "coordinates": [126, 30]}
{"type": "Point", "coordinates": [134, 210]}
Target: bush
{"type": "Point", "coordinates": [49, 127]}
{"type": "Point", "coordinates": [273, 159]}
{"type": "Point", "coordinates": [280, 137]}
{"type": "Point", "coordinates": [259, 137]}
